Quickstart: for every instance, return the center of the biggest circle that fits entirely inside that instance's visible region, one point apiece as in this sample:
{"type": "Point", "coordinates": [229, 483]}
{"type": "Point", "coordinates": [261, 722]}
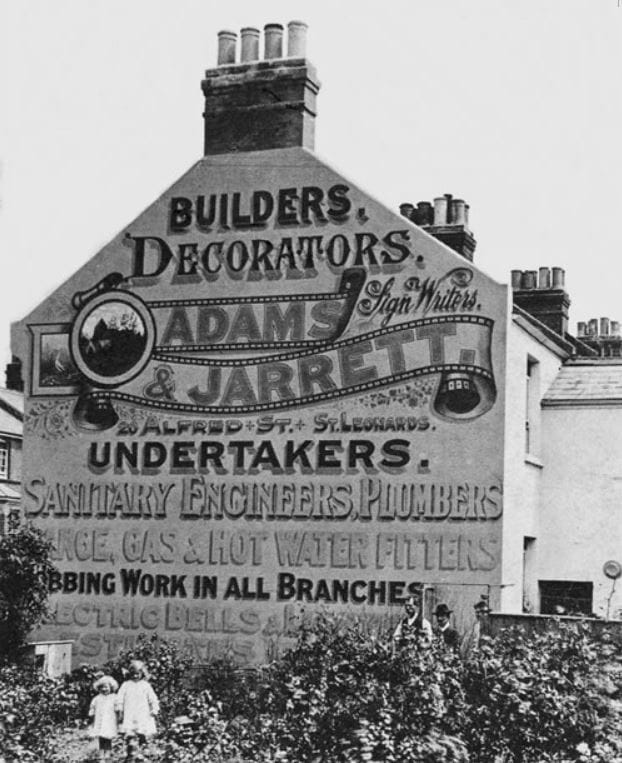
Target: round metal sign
{"type": "Point", "coordinates": [612, 569]}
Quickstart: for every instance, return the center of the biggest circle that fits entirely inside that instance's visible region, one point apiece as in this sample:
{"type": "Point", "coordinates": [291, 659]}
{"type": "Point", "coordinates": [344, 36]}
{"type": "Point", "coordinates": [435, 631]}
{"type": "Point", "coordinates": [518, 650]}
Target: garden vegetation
{"type": "Point", "coordinates": [342, 695]}
{"type": "Point", "coordinates": [339, 695]}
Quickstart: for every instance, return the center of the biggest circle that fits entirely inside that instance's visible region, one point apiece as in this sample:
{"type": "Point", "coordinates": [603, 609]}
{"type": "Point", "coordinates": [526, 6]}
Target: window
{"type": "Point", "coordinates": [4, 460]}
{"type": "Point", "coordinates": [9, 519]}
{"type": "Point", "coordinates": [565, 597]}
{"type": "Point", "coordinates": [532, 408]}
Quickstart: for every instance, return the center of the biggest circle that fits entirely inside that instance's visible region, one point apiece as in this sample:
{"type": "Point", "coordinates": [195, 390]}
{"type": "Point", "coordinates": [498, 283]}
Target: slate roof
{"type": "Point", "coordinates": [586, 382]}
{"type": "Point", "coordinates": [9, 493]}
{"type": "Point", "coordinates": [12, 399]}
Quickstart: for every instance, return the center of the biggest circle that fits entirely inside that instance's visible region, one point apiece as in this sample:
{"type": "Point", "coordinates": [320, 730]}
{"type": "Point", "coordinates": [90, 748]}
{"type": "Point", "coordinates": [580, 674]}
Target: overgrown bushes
{"type": "Point", "coordinates": [25, 567]}
{"type": "Point", "coordinates": [32, 708]}
{"type": "Point", "coordinates": [536, 697]}
{"type": "Point", "coordinates": [340, 695]}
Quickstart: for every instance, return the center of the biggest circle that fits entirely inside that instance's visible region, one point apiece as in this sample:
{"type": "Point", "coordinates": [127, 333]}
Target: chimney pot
{"type": "Point", "coordinates": [406, 210]}
{"type": "Point", "coordinates": [249, 37]}
{"type": "Point", "coordinates": [558, 278]}
{"type": "Point", "coordinates": [273, 41]}
{"type": "Point", "coordinates": [226, 47]}
{"type": "Point", "coordinates": [581, 328]}
{"type": "Point", "coordinates": [529, 279]}
{"type": "Point", "coordinates": [296, 39]}
{"type": "Point", "coordinates": [604, 326]}
{"type": "Point", "coordinates": [440, 210]}
{"type": "Point", "coordinates": [517, 277]}
{"type": "Point", "coordinates": [458, 212]}
{"type": "Point", "coordinates": [615, 328]}
{"type": "Point", "coordinates": [544, 278]}
{"type": "Point", "coordinates": [425, 213]}
{"type": "Point", "coordinates": [592, 328]}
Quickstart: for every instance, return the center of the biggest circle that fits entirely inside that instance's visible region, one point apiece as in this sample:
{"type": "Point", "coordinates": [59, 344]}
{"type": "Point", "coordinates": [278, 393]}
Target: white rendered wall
{"type": "Point", "coordinates": [580, 524]}
{"type": "Point", "coordinates": [523, 472]}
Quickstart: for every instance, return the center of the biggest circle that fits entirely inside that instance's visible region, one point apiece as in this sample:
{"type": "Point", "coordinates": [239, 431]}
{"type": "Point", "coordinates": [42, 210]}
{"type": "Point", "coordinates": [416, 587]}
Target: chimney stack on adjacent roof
{"type": "Point", "coordinates": [601, 335]}
{"type": "Point", "coordinates": [256, 105]}
{"type": "Point", "coordinates": [541, 293]}
{"type": "Point", "coordinates": [447, 220]}
{"type": "Point", "coordinates": [13, 373]}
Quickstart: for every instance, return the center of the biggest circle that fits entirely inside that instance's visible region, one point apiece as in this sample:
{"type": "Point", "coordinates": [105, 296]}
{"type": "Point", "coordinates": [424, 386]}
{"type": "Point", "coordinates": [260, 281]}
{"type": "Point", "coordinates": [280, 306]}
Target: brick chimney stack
{"type": "Point", "coordinates": [542, 294]}
{"type": "Point", "coordinates": [447, 220]}
{"type": "Point", "coordinates": [602, 335]}
{"type": "Point", "coordinates": [256, 105]}
{"type": "Point", "coordinates": [13, 373]}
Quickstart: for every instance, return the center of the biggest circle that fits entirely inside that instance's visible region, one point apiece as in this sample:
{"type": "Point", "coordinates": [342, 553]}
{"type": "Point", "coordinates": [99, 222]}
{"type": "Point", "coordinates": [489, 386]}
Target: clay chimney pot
{"type": "Point", "coordinates": [273, 41]}
{"type": "Point", "coordinates": [440, 210]}
{"type": "Point", "coordinates": [406, 210]}
{"type": "Point", "coordinates": [249, 44]}
{"type": "Point", "coordinates": [544, 278]}
{"type": "Point", "coordinates": [226, 47]}
{"type": "Point", "coordinates": [296, 39]}
{"type": "Point", "coordinates": [558, 278]}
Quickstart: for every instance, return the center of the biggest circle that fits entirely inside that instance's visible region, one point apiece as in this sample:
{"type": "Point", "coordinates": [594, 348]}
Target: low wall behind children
{"type": "Point", "coordinates": [537, 623]}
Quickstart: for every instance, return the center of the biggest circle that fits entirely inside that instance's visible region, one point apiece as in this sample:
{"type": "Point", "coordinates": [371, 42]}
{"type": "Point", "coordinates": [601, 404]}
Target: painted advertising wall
{"type": "Point", "coordinates": [268, 392]}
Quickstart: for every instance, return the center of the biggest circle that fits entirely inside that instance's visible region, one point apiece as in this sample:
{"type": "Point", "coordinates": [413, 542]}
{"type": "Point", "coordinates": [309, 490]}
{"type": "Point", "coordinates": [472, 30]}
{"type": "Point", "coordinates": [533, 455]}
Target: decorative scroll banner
{"type": "Point", "coordinates": [249, 355]}
{"type": "Point", "coordinates": [457, 347]}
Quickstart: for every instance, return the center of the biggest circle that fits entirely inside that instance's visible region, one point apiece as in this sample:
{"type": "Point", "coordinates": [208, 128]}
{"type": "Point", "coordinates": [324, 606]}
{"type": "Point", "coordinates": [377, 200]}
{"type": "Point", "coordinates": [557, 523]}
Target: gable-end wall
{"type": "Point", "coordinates": [294, 401]}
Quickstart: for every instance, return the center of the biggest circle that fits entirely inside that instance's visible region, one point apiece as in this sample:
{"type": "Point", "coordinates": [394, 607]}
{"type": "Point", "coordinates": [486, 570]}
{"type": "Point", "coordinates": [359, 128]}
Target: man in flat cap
{"type": "Point", "coordinates": [444, 633]}
{"type": "Point", "coordinates": [480, 628]}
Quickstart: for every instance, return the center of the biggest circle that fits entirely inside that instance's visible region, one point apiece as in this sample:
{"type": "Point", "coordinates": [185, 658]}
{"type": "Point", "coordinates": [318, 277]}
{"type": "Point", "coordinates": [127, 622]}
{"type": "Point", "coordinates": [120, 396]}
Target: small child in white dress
{"type": "Point", "coordinates": [102, 710]}
{"type": "Point", "coordinates": [137, 705]}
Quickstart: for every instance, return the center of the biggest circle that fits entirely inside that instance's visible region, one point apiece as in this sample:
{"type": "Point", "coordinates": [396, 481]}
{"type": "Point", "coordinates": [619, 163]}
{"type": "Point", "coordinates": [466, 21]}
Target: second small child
{"type": "Point", "coordinates": [137, 705]}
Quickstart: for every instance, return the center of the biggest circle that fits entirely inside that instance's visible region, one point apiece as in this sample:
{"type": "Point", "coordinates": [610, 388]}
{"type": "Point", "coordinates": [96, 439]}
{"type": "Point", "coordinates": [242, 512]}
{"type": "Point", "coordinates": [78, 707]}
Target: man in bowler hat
{"type": "Point", "coordinates": [449, 636]}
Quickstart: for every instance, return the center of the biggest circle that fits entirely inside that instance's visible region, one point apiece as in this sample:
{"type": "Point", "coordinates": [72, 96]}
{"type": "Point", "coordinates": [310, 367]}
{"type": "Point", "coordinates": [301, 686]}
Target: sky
{"type": "Point", "coordinates": [515, 107]}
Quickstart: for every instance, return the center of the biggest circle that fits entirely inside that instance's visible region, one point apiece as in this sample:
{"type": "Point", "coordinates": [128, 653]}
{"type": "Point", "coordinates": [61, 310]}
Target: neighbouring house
{"type": "Point", "coordinates": [11, 426]}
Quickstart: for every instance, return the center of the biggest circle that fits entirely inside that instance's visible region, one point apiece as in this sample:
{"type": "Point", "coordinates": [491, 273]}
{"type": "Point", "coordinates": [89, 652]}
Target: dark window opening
{"type": "Point", "coordinates": [566, 597]}
{"type": "Point", "coordinates": [532, 407]}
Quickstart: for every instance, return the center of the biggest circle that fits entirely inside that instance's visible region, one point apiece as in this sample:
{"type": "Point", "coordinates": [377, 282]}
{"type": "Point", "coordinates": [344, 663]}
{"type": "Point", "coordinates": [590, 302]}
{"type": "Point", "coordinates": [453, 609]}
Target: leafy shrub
{"type": "Point", "coordinates": [25, 567]}
{"type": "Point", "coordinates": [201, 735]}
{"type": "Point", "coordinates": [32, 706]}
{"type": "Point", "coordinates": [341, 695]}
{"type": "Point", "coordinates": [534, 697]}
{"type": "Point", "coordinates": [338, 695]}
